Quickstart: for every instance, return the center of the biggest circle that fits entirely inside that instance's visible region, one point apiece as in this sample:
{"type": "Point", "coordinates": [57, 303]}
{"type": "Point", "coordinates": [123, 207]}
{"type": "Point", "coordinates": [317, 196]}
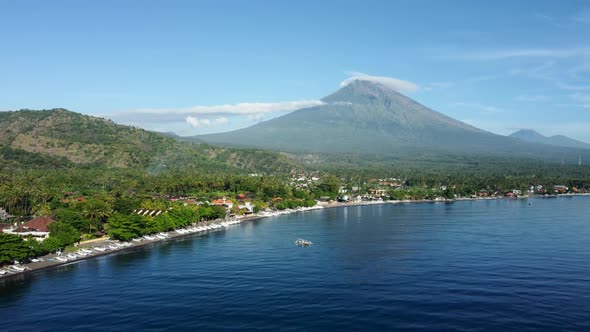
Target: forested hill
{"type": "Point", "coordinates": [59, 138]}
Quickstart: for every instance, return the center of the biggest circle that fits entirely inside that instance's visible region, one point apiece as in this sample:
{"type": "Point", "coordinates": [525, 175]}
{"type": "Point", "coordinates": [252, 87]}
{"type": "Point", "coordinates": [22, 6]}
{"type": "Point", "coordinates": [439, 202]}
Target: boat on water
{"type": "Point", "coordinates": [302, 242]}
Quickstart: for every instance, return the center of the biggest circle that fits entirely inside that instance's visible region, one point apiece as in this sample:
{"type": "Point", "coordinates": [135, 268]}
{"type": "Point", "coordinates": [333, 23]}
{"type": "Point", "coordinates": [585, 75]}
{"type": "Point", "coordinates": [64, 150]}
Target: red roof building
{"type": "Point", "coordinates": [36, 227]}
{"type": "Point", "coordinates": [38, 224]}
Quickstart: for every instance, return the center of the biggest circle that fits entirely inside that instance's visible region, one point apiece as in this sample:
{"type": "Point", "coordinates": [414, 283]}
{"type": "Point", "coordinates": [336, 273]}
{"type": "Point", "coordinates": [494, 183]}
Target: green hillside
{"type": "Point", "coordinates": [59, 138]}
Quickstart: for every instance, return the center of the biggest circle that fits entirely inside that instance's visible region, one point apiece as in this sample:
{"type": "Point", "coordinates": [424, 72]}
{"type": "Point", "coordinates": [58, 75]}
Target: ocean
{"type": "Point", "coordinates": [493, 265]}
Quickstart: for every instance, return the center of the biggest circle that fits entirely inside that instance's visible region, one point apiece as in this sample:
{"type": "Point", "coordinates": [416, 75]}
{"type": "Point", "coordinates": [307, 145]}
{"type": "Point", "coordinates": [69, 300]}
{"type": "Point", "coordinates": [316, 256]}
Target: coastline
{"type": "Point", "coordinates": [48, 262]}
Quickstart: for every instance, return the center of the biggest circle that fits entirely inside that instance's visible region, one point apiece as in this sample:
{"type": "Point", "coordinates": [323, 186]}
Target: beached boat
{"type": "Point", "coordinates": [71, 256]}
{"type": "Point", "coordinates": [86, 251]}
{"type": "Point", "coordinates": [101, 249]}
{"type": "Point", "coordinates": [3, 272]}
{"type": "Point", "coordinates": [36, 260]}
{"type": "Point", "coordinates": [113, 246]}
{"type": "Point", "coordinates": [17, 268]}
{"type": "Point", "coordinates": [302, 242]}
{"type": "Point", "coordinates": [147, 237]}
{"type": "Point", "coordinates": [137, 239]}
{"type": "Point", "coordinates": [60, 259]}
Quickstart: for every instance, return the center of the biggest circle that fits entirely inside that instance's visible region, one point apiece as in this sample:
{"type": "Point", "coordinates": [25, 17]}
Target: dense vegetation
{"type": "Point", "coordinates": [62, 139]}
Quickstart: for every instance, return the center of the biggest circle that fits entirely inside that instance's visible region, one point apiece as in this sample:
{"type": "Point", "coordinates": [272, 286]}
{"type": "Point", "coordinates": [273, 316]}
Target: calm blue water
{"type": "Point", "coordinates": [474, 266]}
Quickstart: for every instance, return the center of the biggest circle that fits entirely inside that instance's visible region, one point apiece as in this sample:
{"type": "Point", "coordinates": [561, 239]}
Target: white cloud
{"type": "Point", "coordinates": [205, 122]}
{"type": "Point", "coordinates": [390, 82]}
{"type": "Point", "coordinates": [235, 109]}
{"type": "Point", "coordinates": [211, 115]}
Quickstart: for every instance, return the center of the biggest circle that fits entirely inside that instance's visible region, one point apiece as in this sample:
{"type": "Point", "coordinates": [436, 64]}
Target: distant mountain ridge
{"type": "Point", "coordinates": [365, 117]}
{"type": "Point", "coordinates": [530, 135]}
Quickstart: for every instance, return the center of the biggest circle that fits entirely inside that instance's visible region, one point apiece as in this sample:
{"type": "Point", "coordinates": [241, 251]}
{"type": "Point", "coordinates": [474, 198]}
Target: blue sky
{"type": "Point", "coordinates": [197, 67]}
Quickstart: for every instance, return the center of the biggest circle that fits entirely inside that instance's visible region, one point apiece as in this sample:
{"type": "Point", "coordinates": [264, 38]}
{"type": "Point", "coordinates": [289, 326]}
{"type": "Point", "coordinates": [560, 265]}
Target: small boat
{"type": "Point", "coordinates": [86, 251]}
{"type": "Point", "coordinates": [101, 249]}
{"type": "Point", "coordinates": [147, 237]}
{"type": "Point", "coordinates": [2, 272]}
{"type": "Point", "coordinates": [113, 246]}
{"type": "Point", "coordinates": [164, 235]}
{"type": "Point", "coordinates": [61, 259]}
{"type": "Point", "coordinates": [71, 256]}
{"type": "Point", "coordinates": [35, 260]}
{"type": "Point", "coordinates": [302, 242]}
{"type": "Point", "coordinates": [18, 268]}
{"type": "Point", "coordinates": [81, 253]}
{"type": "Point", "coordinates": [137, 239]}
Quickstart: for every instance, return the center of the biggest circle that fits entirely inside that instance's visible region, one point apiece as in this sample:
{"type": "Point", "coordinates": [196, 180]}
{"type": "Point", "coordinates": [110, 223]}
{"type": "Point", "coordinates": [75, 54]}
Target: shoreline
{"type": "Point", "coordinates": [48, 262]}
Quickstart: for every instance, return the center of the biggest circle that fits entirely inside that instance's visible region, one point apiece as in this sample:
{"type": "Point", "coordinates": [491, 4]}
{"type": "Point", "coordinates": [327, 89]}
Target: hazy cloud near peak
{"type": "Point", "coordinates": [205, 122]}
{"type": "Point", "coordinates": [202, 116]}
{"type": "Point", "coordinates": [232, 109]}
{"type": "Point", "coordinates": [390, 82]}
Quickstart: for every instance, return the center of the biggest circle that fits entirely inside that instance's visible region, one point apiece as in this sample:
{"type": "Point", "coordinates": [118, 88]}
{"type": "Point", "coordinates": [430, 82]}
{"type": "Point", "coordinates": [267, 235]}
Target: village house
{"type": "Point", "coordinates": [247, 207]}
{"type": "Point", "coordinates": [223, 202]}
{"type": "Point", "coordinates": [36, 228]}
